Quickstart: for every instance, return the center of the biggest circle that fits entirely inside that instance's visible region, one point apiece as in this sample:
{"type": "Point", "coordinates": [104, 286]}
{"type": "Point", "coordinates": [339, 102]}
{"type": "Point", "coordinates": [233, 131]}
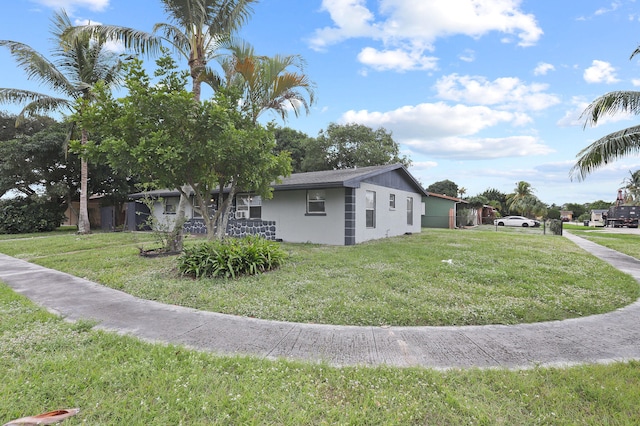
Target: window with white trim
{"type": "Point", "coordinates": [316, 201]}
{"type": "Point", "coordinates": [170, 205]}
{"type": "Point", "coordinates": [248, 206]}
{"type": "Point", "coordinates": [409, 210]}
{"type": "Point", "coordinates": [392, 201]}
{"type": "Point", "coordinates": [370, 207]}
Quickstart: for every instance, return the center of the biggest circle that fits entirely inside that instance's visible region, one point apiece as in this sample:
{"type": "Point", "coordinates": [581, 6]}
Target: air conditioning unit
{"type": "Point", "coordinates": [242, 214]}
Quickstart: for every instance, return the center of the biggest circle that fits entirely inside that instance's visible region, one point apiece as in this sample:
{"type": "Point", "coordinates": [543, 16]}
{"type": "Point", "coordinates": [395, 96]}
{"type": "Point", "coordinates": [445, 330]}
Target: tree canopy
{"type": "Point", "coordinates": [444, 187]}
{"type": "Point", "coordinates": [159, 132]}
{"type": "Point", "coordinates": [80, 62]}
{"type": "Point", "coordinates": [351, 145]}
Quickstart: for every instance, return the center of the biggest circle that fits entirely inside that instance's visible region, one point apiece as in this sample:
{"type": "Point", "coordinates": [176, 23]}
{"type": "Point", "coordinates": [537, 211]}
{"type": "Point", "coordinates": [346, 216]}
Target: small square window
{"type": "Point", "coordinates": [170, 205]}
{"type": "Point", "coordinates": [316, 201]}
{"type": "Point", "coordinates": [248, 206]}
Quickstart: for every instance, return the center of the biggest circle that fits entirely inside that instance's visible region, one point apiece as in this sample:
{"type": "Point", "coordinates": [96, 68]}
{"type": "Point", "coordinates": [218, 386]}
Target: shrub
{"type": "Point", "coordinates": [31, 214]}
{"type": "Point", "coordinates": [231, 258]}
{"type": "Point", "coordinates": [555, 226]}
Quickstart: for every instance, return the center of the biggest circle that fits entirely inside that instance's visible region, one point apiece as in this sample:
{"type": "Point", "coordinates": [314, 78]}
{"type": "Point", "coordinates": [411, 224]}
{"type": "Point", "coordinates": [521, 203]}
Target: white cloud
{"type": "Point", "coordinates": [79, 22]}
{"type": "Point", "coordinates": [413, 26]}
{"type": "Point", "coordinates": [635, 82]}
{"type": "Point", "coordinates": [600, 72]}
{"type": "Point", "coordinates": [397, 59]}
{"type": "Point", "coordinates": [467, 56]}
{"type": "Point", "coordinates": [446, 131]}
{"type": "Point", "coordinates": [543, 68]}
{"type": "Point", "coordinates": [506, 92]}
{"type": "Point", "coordinates": [70, 5]}
{"type": "Point", "coordinates": [481, 148]}
{"type": "Point", "coordinates": [614, 6]}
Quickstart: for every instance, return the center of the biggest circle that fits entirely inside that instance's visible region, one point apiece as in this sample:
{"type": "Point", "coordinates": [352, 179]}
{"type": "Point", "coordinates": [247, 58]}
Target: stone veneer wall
{"type": "Point", "coordinates": [237, 227]}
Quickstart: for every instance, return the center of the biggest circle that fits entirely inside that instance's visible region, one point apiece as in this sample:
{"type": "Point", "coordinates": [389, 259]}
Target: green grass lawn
{"type": "Point", "coordinates": [492, 278]}
{"type": "Point", "coordinates": [624, 243]}
{"type": "Point", "coordinates": [48, 364]}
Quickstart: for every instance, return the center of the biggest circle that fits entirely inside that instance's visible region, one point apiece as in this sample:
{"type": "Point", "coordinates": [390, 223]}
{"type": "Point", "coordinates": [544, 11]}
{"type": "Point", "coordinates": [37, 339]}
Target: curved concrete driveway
{"type": "Point", "coordinates": [595, 339]}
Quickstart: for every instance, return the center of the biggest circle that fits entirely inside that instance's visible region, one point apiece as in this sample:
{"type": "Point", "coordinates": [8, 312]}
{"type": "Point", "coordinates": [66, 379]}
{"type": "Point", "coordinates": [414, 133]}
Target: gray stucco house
{"type": "Point", "coordinates": [336, 207]}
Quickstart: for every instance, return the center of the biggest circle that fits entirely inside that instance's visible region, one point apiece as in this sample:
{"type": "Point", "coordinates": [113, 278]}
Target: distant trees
{"type": "Point", "coordinates": [351, 145]}
{"type": "Point", "coordinates": [295, 143]}
{"type": "Point", "coordinates": [80, 62]}
{"type": "Point", "coordinates": [444, 187]}
{"type": "Point", "coordinates": [524, 202]}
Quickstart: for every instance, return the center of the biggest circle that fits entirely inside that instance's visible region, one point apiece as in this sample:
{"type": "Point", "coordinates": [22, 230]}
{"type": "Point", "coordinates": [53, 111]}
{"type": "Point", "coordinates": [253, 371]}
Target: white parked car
{"type": "Point", "coordinates": [514, 221]}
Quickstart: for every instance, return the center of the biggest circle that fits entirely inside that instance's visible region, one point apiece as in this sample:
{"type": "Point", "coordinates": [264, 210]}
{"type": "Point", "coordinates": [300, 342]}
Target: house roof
{"type": "Point", "coordinates": [446, 197]}
{"type": "Point", "coordinates": [344, 178]}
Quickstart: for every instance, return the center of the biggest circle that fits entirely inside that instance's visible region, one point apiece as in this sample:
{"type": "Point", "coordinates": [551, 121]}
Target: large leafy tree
{"type": "Point", "coordinates": [197, 30]}
{"type": "Point", "coordinates": [37, 164]}
{"type": "Point", "coordinates": [352, 145]}
{"type": "Point", "coordinates": [295, 143]}
{"type": "Point", "coordinates": [29, 127]}
{"type": "Point", "coordinates": [80, 62]}
{"type": "Point", "coordinates": [444, 187]}
{"type": "Point", "coordinates": [159, 131]}
{"type": "Point", "coordinates": [614, 145]}
{"type": "Point", "coordinates": [40, 164]}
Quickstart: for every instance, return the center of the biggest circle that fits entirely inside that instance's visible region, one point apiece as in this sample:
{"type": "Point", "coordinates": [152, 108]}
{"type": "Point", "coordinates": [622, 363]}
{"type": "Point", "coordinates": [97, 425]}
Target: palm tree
{"type": "Point", "coordinates": [267, 83]}
{"type": "Point", "coordinates": [614, 145]}
{"type": "Point", "coordinates": [522, 198]}
{"type": "Point", "coordinates": [80, 63]}
{"type": "Point", "coordinates": [198, 31]}
{"type": "Point", "coordinates": [632, 187]}
{"type": "Point", "coordinates": [462, 191]}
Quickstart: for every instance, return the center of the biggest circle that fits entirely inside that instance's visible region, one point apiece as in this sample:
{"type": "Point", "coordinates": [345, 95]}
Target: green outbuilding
{"type": "Point", "coordinates": [440, 211]}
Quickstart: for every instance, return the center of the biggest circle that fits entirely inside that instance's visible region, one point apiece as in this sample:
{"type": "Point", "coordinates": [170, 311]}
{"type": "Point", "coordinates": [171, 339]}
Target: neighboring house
{"type": "Point", "coordinates": [337, 207]}
{"type": "Point", "coordinates": [598, 217]}
{"type": "Point", "coordinates": [441, 211]}
{"type": "Point", "coordinates": [566, 215]}
{"type": "Point", "coordinates": [93, 207]}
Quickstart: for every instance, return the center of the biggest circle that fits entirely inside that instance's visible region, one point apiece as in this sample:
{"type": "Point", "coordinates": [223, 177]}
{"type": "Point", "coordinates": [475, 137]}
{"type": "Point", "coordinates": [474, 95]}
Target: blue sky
{"type": "Point", "coordinates": [481, 92]}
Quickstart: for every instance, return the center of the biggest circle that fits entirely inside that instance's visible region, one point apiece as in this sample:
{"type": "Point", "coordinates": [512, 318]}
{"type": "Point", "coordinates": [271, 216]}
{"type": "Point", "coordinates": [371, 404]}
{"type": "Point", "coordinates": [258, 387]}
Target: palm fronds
{"type": "Point", "coordinates": [605, 150]}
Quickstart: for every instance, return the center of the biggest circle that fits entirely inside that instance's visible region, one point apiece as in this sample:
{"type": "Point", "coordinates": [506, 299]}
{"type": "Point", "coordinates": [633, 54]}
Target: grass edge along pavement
{"type": "Point", "coordinates": [493, 278]}
{"type": "Point", "coordinates": [49, 363]}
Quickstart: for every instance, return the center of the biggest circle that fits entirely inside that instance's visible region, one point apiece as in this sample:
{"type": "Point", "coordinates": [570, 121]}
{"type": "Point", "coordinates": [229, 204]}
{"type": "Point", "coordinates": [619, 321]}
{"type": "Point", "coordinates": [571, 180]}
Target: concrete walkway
{"type": "Point", "coordinates": [596, 339]}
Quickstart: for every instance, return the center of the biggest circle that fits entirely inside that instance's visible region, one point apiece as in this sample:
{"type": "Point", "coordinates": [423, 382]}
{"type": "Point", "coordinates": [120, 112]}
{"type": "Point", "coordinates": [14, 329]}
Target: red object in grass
{"type": "Point", "coordinates": [45, 418]}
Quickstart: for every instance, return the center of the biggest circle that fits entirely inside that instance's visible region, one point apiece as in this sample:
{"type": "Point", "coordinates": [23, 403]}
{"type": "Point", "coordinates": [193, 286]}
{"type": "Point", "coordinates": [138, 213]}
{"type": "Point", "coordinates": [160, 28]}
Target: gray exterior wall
{"type": "Point", "coordinates": [288, 209]}
{"type": "Point", "coordinates": [389, 222]}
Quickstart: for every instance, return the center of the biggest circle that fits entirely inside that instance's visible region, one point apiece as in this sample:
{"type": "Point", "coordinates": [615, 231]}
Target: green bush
{"type": "Point", "coordinates": [555, 226]}
{"type": "Point", "coordinates": [231, 258]}
{"type": "Point", "coordinates": [29, 214]}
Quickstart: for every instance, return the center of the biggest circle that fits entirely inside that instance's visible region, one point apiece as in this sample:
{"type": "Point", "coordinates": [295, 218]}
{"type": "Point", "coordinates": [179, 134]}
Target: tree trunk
{"type": "Point", "coordinates": [176, 239]}
{"type": "Point", "coordinates": [84, 227]}
{"type": "Point", "coordinates": [223, 218]}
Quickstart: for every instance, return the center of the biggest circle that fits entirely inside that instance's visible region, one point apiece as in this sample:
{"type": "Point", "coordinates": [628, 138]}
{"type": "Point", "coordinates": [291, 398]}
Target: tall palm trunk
{"type": "Point", "coordinates": [177, 235]}
{"type": "Point", "coordinates": [84, 227]}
